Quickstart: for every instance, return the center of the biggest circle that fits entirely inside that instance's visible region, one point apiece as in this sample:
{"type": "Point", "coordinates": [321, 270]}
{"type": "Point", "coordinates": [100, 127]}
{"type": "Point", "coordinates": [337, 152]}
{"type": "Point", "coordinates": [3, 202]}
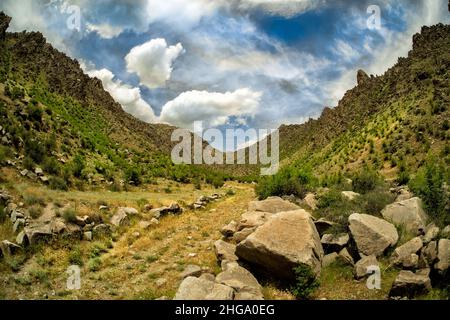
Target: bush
{"type": "Point", "coordinates": [28, 163]}
{"type": "Point", "coordinates": [78, 164]}
{"type": "Point", "coordinates": [35, 150]}
{"type": "Point", "coordinates": [94, 264]}
{"type": "Point", "coordinates": [132, 174]}
{"type": "Point", "coordinates": [31, 199]}
{"type": "Point", "coordinates": [306, 282]}
{"type": "Point", "coordinates": [75, 257]}
{"type": "Point", "coordinates": [69, 215]}
{"type": "Point", "coordinates": [4, 153]}
{"type": "Point", "coordinates": [57, 183]}
{"type": "Point", "coordinates": [2, 213]}
{"type": "Point", "coordinates": [374, 202]}
{"type": "Point", "coordinates": [35, 212]}
{"type": "Point", "coordinates": [365, 181]}
{"type": "Point", "coordinates": [51, 166]}
{"type": "Point", "coordinates": [330, 199]}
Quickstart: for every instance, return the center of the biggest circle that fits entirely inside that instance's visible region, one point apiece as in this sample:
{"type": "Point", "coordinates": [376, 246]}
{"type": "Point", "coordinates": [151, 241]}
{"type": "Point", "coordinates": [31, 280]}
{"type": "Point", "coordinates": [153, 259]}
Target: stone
{"type": "Point", "coordinates": [429, 253]}
{"type": "Point", "coordinates": [409, 284]}
{"type": "Point", "coordinates": [38, 171]}
{"type": "Point", "coordinates": [120, 219]}
{"type": "Point", "coordinates": [229, 230]}
{"type": "Point", "coordinates": [18, 225]}
{"type": "Point", "coordinates": [334, 243]}
{"type": "Point", "coordinates": [22, 239]}
{"type": "Point", "coordinates": [128, 211]}
{"type": "Point", "coordinates": [445, 233]}
{"type": "Point", "coordinates": [10, 248]}
{"type": "Point", "coordinates": [38, 234]}
{"type": "Point", "coordinates": [144, 224]}
{"type": "Point", "coordinates": [272, 205]}
{"type": "Point", "coordinates": [328, 259]}
{"type": "Point", "coordinates": [311, 201]}
{"type": "Point", "coordinates": [406, 254]}
{"type": "Point", "coordinates": [364, 266]}
{"type": "Point", "coordinates": [103, 208]}
{"type": "Point", "coordinates": [407, 213]}
{"type": "Point", "coordinates": [101, 230]}
{"type": "Point", "coordinates": [371, 234]}
{"type": "Point", "coordinates": [10, 208]}
{"type": "Point", "coordinates": [431, 233]}
{"type": "Point", "coordinates": [191, 270]}
{"type": "Point", "coordinates": [225, 251]}
{"type": "Point", "coordinates": [16, 215]}
{"type": "Point", "coordinates": [362, 77]}
{"type": "Point", "coordinates": [242, 281]}
{"type": "Point", "coordinates": [163, 211]}
{"type": "Point", "coordinates": [350, 195]}
{"type": "Point", "coordinates": [443, 256]}
{"type": "Point", "coordinates": [161, 282]}
{"type": "Point", "coordinates": [208, 276]}
{"type": "Point", "coordinates": [286, 240]}
{"type": "Point", "coordinates": [24, 172]}
{"type": "Point", "coordinates": [44, 179]}
{"type": "Point", "coordinates": [346, 257]}
{"type": "Point", "coordinates": [253, 219]}
{"type": "Point", "coordinates": [243, 234]}
{"type": "Point", "coordinates": [87, 236]}
{"type": "Point", "coordinates": [322, 225]}
{"type": "Point", "coordinates": [192, 288]}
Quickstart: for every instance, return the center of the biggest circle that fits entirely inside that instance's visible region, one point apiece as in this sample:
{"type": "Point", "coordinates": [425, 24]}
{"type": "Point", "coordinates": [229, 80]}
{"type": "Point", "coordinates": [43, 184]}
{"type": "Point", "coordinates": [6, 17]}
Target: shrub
{"type": "Point", "coordinates": [31, 199]}
{"type": "Point", "coordinates": [69, 215]}
{"type": "Point", "coordinates": [329, 199]}
{"type": "Point", "coordinates": [94, 264]}
{"type": "Point", "coordinates": [75, 257]}
{"type": "Point", "coordinates": [132, 174]}
{"type": "Point", "coordinates": [306, 282]}
{"type": "Point", "coordinates": [375, 201]}
{"type": "Point", "coordinates": [35, 150]}
{"type": "Point", "coordinates": [4, 153]}
{"type": "Point", "coordinates": [57, 183]}
{"type": "Point", "coordinates": [28, 163]}
{"type": "Point", "coordinates": [2, 213]}
{"type": "Point", "coordinates": [78, 164]}
{"type": "Point", "coordinates": [365, 181]}
{"type": "Point", "coordinates": [51, 166]}
{"type": "Point", "coordinates": [35, 212]}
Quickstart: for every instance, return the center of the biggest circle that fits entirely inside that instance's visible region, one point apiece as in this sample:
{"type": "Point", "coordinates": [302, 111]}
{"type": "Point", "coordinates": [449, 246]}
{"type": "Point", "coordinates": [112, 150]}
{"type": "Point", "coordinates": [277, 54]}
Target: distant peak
{"type": "Point", "coordinates": [362, 77]}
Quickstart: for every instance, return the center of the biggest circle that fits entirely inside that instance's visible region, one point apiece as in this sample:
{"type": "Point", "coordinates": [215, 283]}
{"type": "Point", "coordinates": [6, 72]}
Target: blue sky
{"type": "Point", "coordinates": [230, 63]}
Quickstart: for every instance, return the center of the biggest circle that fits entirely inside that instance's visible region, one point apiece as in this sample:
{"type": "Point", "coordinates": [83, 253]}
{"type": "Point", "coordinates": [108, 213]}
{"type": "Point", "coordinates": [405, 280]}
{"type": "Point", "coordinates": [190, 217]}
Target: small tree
{"type": "Point", "coordinates": [306, 282]}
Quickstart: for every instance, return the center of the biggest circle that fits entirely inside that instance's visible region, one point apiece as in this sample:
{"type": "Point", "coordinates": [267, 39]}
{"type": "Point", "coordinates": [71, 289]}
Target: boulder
{"type": "Point", "coordinates": [191, 270]}
{"type": "Point", "coordinates": [22, 239]}
{"type": "Point", "coordinates": [120, 219]}
{"type": "Point", "coordinates": [322, 225]}
{"type": "Point", "coordinates": [229, 230]}
{"type": "Point", "coordinates": [409, 284]}
{"type": "Point", "coordinates": [243, 234]}
{"type": "Point", "coordinates": [363, 266]}
{"type": "Point", "coordinates": [10, 207]}
{"type": "Point", "coordinates": [429, 254]}
{"type": "Point", "coordinates": [431, 233]}
{"type": "Point", "coordinates": [406, 254]}
{"type": "Point", "coordinates": [253, 219]}
{"type": "Point", "coordinates": [371, 234]}
{"type": "Point", "coordinates": [346, 257]}
{"type": "Point", "coordinates": [16, 214]}
{"type": "Point", "coordinates": [272, 205]}
{"type": "Point", "coordinates": [334, 243]}
{"type": "Point", "coordinates": [407, 213]}
{"type": "Point", "coordinates": [18, 225]}
{"type": "Point", "coordinates": [9, 248]}
{"type": "Point", "coordinates": [443, 256]}
{"type": "Point", "coordinates": [128, 211]}
{"type": "Point", "coordinates": [350, 195]}
{"type": "Point", "coordinates": [242, 281]}
{"type": "Point", "coordinates": [38, 234]}
{"type": "Point", "coordinates": [445, 233]}
{"type": "Point", "coordinates": [203, 289]}
{"type": "Point", "coordinates": [174, 208]}
{"type": "Point", "coordinates": [102, 230]}
{"type": "Point", "coordinates": [225, 251]}
{"type": "Point", "coordinates": [87, 236]}
{"type": "Point", "coordinates": [328, 259]}
{"type": "Point", "coordinates": [311, 201]}
{"type": "Point", "coordinates": [286, 240]}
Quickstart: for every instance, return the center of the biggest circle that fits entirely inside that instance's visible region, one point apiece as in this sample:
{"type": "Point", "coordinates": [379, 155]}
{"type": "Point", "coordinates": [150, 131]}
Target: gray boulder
{"type": "Point", "coordinates": [350, 195]}
{"type": "Point", "coordinates": [431, 233]}
{"type": "Point", "coordinates": [334, 243]}
{"type": "Point", "coordinates": [272, 205]}
{"type": "Point", "coordinates": [329, 259]}
{"type": "Point", "coordinates": [364, 266]}
{"type": "Point", "coordinates": [38, 234]}
{"type": "Point", "coordinates": [191, 270]}
{"type": "Point", "coordinates": [253, 219]}
{"type": "Point", "coordinates": [346, 257]}
{"type": "Point", "coordinates": [371, 234]}
{"type": "Point", "coordinates": [120, 219]}
{"type": "Point", "coordinates": [9, 248]}
{"type": "Point", "coordinates": [242, 281]}
{"type": "Point", "coordinates": [203, 289]}
{"type": "Point", "coordinates": [406, 254]}
{"type": "Point", "coordinates": [407, 213]}
{"type": "Point", "coordinates": [429, 254]}
{"type": "Point", "coordinates": [286, 240]}
{"type": "Point", "coordinates": [225, 251]}
{"type": "Point", "coordinates": [409, 284]}
{"type": "Point", "coordinates": [229, 230]}
{"type": "Point", "coordinates": [443, 256]}
{"type": "Point", "coordinates": [102, 230]}
{"type": "Point", "coordinates": [243, 234]}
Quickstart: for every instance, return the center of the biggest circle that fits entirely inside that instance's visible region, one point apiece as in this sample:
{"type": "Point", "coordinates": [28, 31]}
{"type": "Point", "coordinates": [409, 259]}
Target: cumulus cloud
{"type": "Point", "coordinates": [213, 108]}
{"type": "Point", "coordinates": [152, 62]}
{"type": "Point", "coordinates": [129, 97]}
{"type": "Point", "coordinates": [106, 31]}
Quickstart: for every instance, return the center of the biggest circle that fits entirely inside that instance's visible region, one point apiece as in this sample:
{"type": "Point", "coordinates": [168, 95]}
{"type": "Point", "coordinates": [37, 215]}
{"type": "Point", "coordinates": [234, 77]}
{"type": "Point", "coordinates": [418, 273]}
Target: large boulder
{"type": "Point", "coordinates": [429, 254]}
{"type": "Point", "coordinates": [372, 235]}
{"type": "Point", "coordinates": [409, 284]}
{"type": "Point", "coordinates": [203, 289]}
{"type": "Point", "coordinates": [407, 213]}
{"type": "Point", "coordinates": [128, 211]}
{"type": "Point", "coordinates": [272, 205]}
{"type": "Point", "coordinates": [102, 230]}
{"type": "Point", "coordinates": [406, 254]}
{"type": "Point", "coordinates": [443, 256]}
{"type": "Point", "coordinates": [431, 233]}
{"type": "Point", "coordinates": [242, 281]}
{"type": "Point", "coordinates": [286, 240]}
{"type": "Point", "coordinates": [253, 219]}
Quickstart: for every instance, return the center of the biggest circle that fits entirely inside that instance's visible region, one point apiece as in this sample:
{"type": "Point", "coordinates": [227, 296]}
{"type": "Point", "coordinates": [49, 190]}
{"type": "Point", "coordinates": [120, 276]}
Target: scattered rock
{"type": "Point", "coordinates": [163, 211]}
{"type": "Point", "coordinates": [272, 205]}
{"type": "Point", "coordinates": [22, 239]}
{"type": "Point", "coordinates": [445, 233]}
{"type": "Point", "coordinates": [431, 233]}
{"type": "Point", "coordinates": [242, 281]}
{"type": "Point", "coordinates": [87, 236]}
{"type": "Point", "coordinates": [225, 251]}
{"type": "Point", "coordinates": [406, 254]}
{"type": "Point", "coordinates": [128, 211]}
{"type": "Point", "coordinates": [311, 201]}
{"type": "Point", "coordinates": [429, 253]}
{"type": "Point", "coordinates": [407, 213]}
{"type": "Point", "coordinates": [371, 234]}
{"type": "Point", "coordinates": [409, 284]}
{"type": "Point", "coordinates": [103, 208]}
{"type": "Point", "coordinates": [18, 225]}
{"type": "Point", "coordinates": [160, 282]}
{"type": "Point", "coordinates": [329, 259]}
{"type": "Point", "coordinates": [243, 234]}
{"type": "Point", "coordinates": [364, 266]}
{"type": "Point", "coordinates": [102, 230]}
{"type": "Point", "coordinates": [10, 248]}
{"type": "Point", "coordinates": [443, 256]}
{"type": "Point", "coordinates": [350, 195]}
{"type": "Point", "coordinates": [229, 230]}
{"type": "Point", "coordinates": [346, 257]}
{"type": "Point", "coordinates": [24, 172]}
{"type": "Point", "coordinates": [38, 171]}
{"type": "Point", "coordinates": [322, 225]}
{"type": "Point", "coordinates": [16, 215]}
{"type": "Point", "coordinates": [284, 241]}
{"type": "Point", "coordinates": [334, 243]}
{"type": "Point", "coordinates": [120, 219]}
{"type": "Point", "coordinates": [38, 234]}
{"type": "Point", "coordinates": [191, 270]}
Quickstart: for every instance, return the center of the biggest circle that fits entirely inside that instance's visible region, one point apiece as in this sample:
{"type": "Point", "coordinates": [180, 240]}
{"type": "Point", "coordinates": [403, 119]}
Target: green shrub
{"type": "Point", "coordinates": [75, 257]}
{"type": "Point", "coordinates": [28, 163]}
{"type": "Point", "coordinates": [2, 213]}
{"type": "Point", "coordinates": [330, 199]}
{"type": "Point", "coordinates": [94, 264]}
{"type": "Point", "coordinates": [35, 212]}
{"type": "Point", "coordinates": [31, 199]}
{"type": "Point", "coordinates": [78, 164]}
{"type": "Point", "coordinates": [306, 282]}
{"type": "Point", "coordinates": [132, 174]}
{"type": "Point", "coordinates": [375, 201]}
{"type": "Point", "coordinates": [69, 215]}
{"type": "Point", "coordinates": [57, 183]}
{"type": "Point", "coordinates": [35, 150]}
{"type": "Point", "coordinates": [51, 166]}
{"type": "Point", "coordinates": [365, 181]}
{"type": "Point", "coordinates": [5, 152]}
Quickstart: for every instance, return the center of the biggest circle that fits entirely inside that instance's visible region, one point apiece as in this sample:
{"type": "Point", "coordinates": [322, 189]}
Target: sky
{"type": "Point", "coordinates": [229, 63]}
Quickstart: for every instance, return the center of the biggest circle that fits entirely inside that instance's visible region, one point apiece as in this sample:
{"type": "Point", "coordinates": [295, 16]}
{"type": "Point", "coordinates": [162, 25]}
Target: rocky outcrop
{"type": "Point", "coordinates": [407, 213]}
{"type": "Point", "coordinates": [174, 208]}
{"type": "Point", "coordinates": [286, 240]}
{"type": "Point", "coordinates": [372, 235]}
{"type": "Point", "coordinates": [120, 219]}
{"type": "Point", "coordinates": [272, 205]}
{"type": "Point", "coordinates": [362, 77]}
{"type": "Point", "coordinates": [409, 284]}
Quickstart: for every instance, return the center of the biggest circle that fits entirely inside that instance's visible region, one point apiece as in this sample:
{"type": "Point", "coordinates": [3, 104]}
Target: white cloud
{"type": "Point", "coordinates": [213, 108]}
{"type": "Point", "coordinates": [129, 97]}
{"type": "Point", "coordinates": [105, 31]}
{"type": "Point", "coordinates": [285, 8]}
{"type": "Point", "coordinates": [152, 62]}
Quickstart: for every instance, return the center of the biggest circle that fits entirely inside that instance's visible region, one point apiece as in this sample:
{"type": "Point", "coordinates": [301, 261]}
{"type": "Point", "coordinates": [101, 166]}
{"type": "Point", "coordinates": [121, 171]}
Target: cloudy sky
{"type": "Point", "coordinates": [230, 63]}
